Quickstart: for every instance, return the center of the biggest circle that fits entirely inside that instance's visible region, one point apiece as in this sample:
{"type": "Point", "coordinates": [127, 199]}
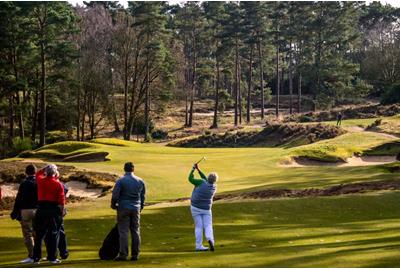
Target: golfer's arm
{"type": "Point", "coordinates": [202, 175]}
{"type": "Point", "coordinates": [194, 181]}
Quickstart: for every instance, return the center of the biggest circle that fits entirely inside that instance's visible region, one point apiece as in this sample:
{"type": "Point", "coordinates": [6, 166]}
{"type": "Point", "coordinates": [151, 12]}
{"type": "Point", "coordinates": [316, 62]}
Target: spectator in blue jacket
{"type": "Point", "coordinates": [128, 198]}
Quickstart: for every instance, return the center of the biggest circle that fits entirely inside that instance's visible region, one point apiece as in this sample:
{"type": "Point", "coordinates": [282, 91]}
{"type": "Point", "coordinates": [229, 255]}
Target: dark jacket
{"type": "Point", "coordinates": [27, 197]}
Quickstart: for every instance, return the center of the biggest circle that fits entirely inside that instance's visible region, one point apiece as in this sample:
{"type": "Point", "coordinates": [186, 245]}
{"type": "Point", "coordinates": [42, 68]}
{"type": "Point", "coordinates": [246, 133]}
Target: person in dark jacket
{"type": "Point", "coordinates": [201, 203]}
{"type": "Point", "coordinates": [339, 119]}
{"type": "Point", "coordinates": [48, 219]}
{"type": "Point", "coordinates": [25, 208]}
{"type": "Point", "coordinates": [128, 198]}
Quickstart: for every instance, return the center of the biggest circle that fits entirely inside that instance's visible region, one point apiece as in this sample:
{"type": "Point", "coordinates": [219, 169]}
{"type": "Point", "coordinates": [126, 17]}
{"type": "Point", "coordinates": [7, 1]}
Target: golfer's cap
{"type": "Point", "coordinates": [129, 166]}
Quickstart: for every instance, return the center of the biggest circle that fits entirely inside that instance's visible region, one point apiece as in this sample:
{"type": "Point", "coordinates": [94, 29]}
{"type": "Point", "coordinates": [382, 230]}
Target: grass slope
{"type": "Point", "coordinates": [346, 231]}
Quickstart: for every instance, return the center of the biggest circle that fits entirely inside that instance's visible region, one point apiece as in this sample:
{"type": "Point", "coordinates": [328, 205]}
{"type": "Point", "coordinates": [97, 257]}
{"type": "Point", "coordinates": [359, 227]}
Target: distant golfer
{"type": "Point", "coordinates": [201, 202]}
{"type": "Point", "coordinates": [128, 198]}
{"type": "Point", "coordinates": [339, 119]}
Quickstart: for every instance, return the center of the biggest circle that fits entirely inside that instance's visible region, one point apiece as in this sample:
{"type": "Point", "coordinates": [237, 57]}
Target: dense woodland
{"type": "Point", "coordinates": [71, 68]}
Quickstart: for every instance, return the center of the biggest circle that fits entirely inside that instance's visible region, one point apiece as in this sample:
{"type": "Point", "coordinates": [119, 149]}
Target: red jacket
{"type": "Point", "coordinates": [49, 188]}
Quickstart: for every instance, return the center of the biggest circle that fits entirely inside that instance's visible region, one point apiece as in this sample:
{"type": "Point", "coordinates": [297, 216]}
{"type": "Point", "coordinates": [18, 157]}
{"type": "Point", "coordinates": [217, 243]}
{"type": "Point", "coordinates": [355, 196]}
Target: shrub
{"type": "Point", "coordinates": [57, 136]}
{"type": "Point", "coordinates": [391, 95]}
{"type": "Point", "coordinates": [20, 145]}
{"type": "Point", "coordinates": [159, 134]}
{"type": "Point", "coordinates": [305, 118]}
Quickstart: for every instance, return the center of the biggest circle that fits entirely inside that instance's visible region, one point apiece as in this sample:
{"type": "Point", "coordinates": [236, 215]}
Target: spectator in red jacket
{"type": "Point", "coordinates": [48, 219]}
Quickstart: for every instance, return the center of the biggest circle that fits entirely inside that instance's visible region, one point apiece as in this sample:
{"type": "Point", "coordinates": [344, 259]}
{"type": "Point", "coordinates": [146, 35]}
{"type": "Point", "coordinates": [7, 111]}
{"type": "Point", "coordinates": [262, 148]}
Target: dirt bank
{"type": "Point", "coordinates": [274, 134]}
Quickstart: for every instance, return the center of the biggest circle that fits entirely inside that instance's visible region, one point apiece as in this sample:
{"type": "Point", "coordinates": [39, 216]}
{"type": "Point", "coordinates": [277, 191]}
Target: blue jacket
{"type": "Point", "coordinates": [128, 193]}
{"type": "Point", "coordinates": [203, 192]}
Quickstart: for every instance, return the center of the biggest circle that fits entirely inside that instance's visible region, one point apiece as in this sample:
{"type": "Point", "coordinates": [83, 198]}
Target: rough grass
{"type": "Point", "coordinates": [342, 147]}
{"type": "Point", "coordinates": [343, 231]}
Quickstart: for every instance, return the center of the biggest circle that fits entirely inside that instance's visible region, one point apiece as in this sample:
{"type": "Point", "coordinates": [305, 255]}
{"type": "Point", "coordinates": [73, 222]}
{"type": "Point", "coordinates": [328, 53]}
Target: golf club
{"type": "Point", "coordinates": [203, 158]}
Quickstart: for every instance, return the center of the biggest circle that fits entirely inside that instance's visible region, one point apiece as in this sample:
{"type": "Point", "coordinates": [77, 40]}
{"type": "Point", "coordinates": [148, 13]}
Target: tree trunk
{"type": "Point", "coordinates": [236, 81]}
{"type": "Point", "coordinates": [261, 78]}
{"type": "Point", "coordinates": [78, 102]}
{"type": "Point", "coordinates": [193, 83]}
{"type": "Point", "coordinates": [277, 82]}
{"type": "Point", "coordinates": [35, 109]}
{"type": "Point", "coordinates": [240, 94]}
{"type": "Point", "coordinates": [19, 107]}
{"type": "Point", "coordinates": [126, 98]}
{"type": "Point", "coordinates": [10, 119]}
{"type": "Point", "coordinates": [290, 80]}
{"type": "Point", "coordinates": [215, 120]}
{"type": "Point", "coordinates": [248, 116]}
{"type": "Point", "coordinates": [186, 86]}
{"type": "Point", "coordinates": [147, 101]}
{"type": "Point", "coordinates": [299, 95]}
{"type": "Point", "coordinates": [42, 140]}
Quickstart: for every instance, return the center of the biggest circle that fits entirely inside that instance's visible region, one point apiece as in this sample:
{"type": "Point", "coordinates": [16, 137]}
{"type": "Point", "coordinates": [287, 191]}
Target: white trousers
{"type": "Point", "coordinates": [202, 221]}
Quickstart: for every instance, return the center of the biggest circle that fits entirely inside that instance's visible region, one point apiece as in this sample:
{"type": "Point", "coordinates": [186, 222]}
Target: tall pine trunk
{"type": "Point", "coordinates": [240, 93]}
{"type": "Point", "coordinates": [248, 117]}
{"type": "Point", "coordinates": [35, 109]}
{"type": "Point", "coordinates": [193, 88]}
{"type": "Point", "coordinates": [42, 140]}
{"type": "Point", "coordinates": [126, 97]}
{"type": "Point", "coordinates": [236, 81]}
{"type": "Point", "coordinates": [147, 100]}
{"type": "Point", "coordinates": [10, 119]}
{"type": "Point", "coordinates": [290, 80]}
{"type": "Point", "coordinates": [277, 80]}
{"type": "Point", "coordinates": [215, 119]}
{"type": "Point", "coordinates": [261, 78]}
{"type": "Point", "coordinates": [299, 95]}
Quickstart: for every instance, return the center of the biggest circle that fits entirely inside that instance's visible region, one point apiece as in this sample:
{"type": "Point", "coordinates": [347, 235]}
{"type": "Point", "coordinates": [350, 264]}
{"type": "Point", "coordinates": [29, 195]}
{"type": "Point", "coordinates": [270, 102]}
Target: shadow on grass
{"type": "Point", "coordinates": [347, 231]}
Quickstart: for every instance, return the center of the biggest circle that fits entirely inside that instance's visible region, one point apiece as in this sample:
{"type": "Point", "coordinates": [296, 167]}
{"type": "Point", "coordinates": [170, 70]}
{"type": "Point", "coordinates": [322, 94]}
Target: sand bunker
{"type": "Point", "coordinates": [9, 190]}
{"type": "Point", "coordinates": [350, 162]}
{"type": "Point", "coordinates": [75, 189]}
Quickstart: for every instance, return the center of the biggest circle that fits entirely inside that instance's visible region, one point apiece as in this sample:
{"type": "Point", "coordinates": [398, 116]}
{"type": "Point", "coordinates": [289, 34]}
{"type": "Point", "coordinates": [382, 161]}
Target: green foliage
{"type": "Point", "coordinates": [159, 134]}
{"type": "Point", "coordinates": [391, 95]}
{"type": "Point", "coordinates": [20, 145]}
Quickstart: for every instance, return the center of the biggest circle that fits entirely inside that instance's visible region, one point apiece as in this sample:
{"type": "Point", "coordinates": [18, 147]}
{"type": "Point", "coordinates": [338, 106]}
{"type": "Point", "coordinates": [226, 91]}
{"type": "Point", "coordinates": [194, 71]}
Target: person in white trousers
{"type": "Point", "coordinates": [201, 203]}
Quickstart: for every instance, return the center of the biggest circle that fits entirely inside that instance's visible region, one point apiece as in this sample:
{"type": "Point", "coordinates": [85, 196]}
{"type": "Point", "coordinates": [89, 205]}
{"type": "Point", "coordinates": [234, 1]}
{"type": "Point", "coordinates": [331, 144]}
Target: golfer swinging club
{"type": "Point", "coordinates": [201, 202]}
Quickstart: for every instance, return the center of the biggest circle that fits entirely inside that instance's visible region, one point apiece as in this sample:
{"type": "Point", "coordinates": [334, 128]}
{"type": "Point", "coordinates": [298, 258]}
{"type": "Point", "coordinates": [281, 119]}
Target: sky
{"type": "Point", "coordinates": [395, 3]}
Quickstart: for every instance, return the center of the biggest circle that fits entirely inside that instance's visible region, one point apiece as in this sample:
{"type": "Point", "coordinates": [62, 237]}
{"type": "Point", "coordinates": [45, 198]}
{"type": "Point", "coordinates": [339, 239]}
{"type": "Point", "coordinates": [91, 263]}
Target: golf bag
{"type": "Point", "coordinates": [110, 248]}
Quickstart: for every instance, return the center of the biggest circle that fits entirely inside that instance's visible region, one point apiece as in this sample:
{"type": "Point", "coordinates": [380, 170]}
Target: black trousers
{"type": "Point", "coordinates": [47, 225]}
{"type": "Point", "coordinates": [61, 239]}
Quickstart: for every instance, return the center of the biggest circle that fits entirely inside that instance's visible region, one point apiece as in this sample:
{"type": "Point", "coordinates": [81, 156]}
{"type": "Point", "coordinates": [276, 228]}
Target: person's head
{"type": "Point", "coordinates": [129, 167]}
{"type": "Point", "coordinates": [51, 170]}
{"type": "Point", "coordinates": [212, 178]}
{"type": "Point", "coordinates": [30, 169]}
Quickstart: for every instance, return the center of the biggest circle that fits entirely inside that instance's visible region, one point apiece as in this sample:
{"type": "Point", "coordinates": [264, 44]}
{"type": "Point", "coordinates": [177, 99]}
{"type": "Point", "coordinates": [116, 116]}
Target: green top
{"type": "Point", "coordinates": [197, 182]}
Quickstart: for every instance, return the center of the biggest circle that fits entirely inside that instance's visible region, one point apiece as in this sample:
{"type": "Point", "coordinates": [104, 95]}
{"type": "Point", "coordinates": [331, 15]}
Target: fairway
{"type": "Point", "coordinates": [341, 231]}
{"type": "Point", "coordinates": [344, 231]}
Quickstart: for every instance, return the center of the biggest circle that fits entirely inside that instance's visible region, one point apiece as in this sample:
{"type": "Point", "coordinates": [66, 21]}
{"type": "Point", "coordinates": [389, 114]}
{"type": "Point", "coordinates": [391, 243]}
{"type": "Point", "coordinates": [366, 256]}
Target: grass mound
{"type": "Point", "coordinates": [342, 147]}
{"type": "Point", "coordinates": [61, 150]}
{"type": "Point", "coordinates": [87, 157]}
{"type": "Point", "coordinates": [112, 141]}
{"type": "Point", "coordinates": [389, 149]}
{"type": "Point", "coordinates": [288, 135]}
{"type": "Point", "coordinates": [390, 125]}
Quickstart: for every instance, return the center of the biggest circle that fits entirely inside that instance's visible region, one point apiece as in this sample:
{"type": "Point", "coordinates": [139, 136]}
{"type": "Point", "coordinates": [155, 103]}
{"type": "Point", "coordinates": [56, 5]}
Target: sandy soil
{"type": "Point", "coordinates": [9, 190]}
{"type": "Point", "coordinates": [351, 162]}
